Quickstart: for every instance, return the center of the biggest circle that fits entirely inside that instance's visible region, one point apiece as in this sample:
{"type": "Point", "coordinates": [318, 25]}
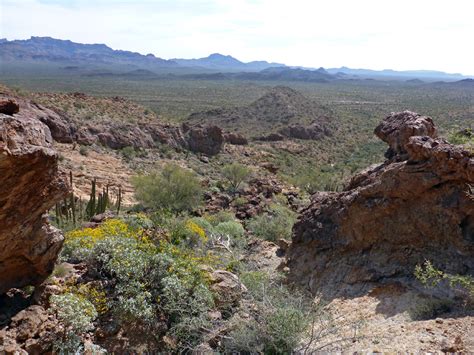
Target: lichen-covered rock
{"type": "Point", "coordinates": [29, 185]}
{"type": "Point", "coordinates": [391, 217]}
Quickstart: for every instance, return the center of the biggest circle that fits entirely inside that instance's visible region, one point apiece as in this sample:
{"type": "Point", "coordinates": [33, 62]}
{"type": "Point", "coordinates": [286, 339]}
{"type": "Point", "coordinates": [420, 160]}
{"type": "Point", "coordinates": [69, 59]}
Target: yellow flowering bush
{"type": "Point", "coordinates": [88, 237]}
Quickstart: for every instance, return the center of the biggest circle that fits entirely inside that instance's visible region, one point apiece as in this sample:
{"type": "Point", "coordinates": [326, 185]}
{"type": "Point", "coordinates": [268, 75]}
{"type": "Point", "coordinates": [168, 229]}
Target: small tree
{"type": "Point", "coordinates": [173, 188]}
{"type": "Point", "coordinates": [235, 174]}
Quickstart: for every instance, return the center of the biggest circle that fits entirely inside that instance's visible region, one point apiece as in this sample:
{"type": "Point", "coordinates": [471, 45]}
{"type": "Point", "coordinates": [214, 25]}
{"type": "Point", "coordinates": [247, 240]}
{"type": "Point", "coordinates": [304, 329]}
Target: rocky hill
{"type": "Point", "coordinates": [275, 112]}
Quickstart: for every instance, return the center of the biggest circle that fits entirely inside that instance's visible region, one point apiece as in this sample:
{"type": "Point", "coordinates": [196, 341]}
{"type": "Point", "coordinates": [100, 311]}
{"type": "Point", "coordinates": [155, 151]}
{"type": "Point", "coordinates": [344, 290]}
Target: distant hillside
{"type": "Point", "coordinates": [272, 74]}
{"type": "Point", "coordinates": [279, 108]}
{"type": "Point", "coordinates": [389, 73]}
{"type": "Point", "coordinates": [48, 49]}
{"type": "Point", "coordinates": [221, 62]}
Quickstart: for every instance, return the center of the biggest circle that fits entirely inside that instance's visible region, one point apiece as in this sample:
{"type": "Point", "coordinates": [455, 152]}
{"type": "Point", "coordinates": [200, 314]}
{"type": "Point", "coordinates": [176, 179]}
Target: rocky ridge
{"type": "Point", "coordinates": [150, 133]}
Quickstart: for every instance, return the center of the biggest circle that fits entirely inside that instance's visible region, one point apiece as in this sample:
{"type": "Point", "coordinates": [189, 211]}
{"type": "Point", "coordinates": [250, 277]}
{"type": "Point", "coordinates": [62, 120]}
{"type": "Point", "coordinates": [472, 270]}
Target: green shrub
{"type": "Point", "coordinates": [281, 320]}
{"type": "Point", "coordinates": [221, 216]}
{"type": "Point", "coordinates": [430, 276]}
{"type": "Point", "coordinates": [314, 180]}
{"type": "Point", "coordinates": [231, 228]}
{"type": "Point", "coordinates": [77, 314]}
{"type": "Point", "coordinates": [83, 150]}
{"type": "Point", "coordinates": [430, 308]}
{"type": "Point", "coordinates": [128, 153]}
{"type": "Point", "coordinates": [148, 282]}
{"type": "Point", "coordinates": [274, 224]}
{"type": "Point", "coordinates": [240, 201]}
{"type": "Point", "coordinates": [172, 188]}
{"type": "Point", "coordinates": [235, 174]}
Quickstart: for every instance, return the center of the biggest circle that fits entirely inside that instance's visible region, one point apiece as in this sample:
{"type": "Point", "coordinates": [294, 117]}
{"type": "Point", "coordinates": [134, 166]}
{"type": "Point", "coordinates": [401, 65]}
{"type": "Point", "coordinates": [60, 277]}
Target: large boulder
{"type": "Point", "coordinates": [235, 139]}
{"type": "Point", "coordinates": [416, 206]}
{"type": "Point", "coordinates": [61, 129]}
{"type": "Point", "coordinates": [29, 185]}
{"type": "Point", "coordinates": [203, 139]}
{"type": "Point", "coordinates": [313, 131]}
{"type": "Point", "coordinates": [397, 128]}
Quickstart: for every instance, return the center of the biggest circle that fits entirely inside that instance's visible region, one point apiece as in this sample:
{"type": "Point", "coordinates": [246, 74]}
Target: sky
{"type": "Point", "coordinates": [375, 34]}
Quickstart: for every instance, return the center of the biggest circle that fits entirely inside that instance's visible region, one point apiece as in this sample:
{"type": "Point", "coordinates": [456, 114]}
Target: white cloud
{"type": "Point", "coordinates": [405, 34]}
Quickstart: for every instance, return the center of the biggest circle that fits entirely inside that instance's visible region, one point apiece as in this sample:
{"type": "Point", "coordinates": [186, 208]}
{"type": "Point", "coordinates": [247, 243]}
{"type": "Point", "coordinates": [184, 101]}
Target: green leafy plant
{"type": "Point", "coordinates": [282, 318]}
{"type": "Point", "coordinates": [274, 224]}
{"type": "Point", "coordinates": [235, 174]}
{"type": "Point", "coordinates": [77, 314]}
{"type": "Point", "coordinates": [173, 188]}
{"type": "Point", "coordinates": [430, 276]}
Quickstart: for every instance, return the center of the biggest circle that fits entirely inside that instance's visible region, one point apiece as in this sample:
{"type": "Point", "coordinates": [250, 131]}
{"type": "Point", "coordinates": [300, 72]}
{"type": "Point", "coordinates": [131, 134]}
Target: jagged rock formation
{"type": "Point", "coordinates": [29, 185]}
{"type": "Point", "coordinates": [414, 207]}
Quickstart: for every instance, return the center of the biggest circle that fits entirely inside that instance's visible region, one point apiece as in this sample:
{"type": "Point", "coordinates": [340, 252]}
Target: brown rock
{"type": "Point", "coordinates": [61, 129]}
{"type": "Point", "coordinates": [203, 139]}
{"type": "Point", "coordinates": [235, 139]}
{"type": "Point", "coordinates": [9, 107]}
{"type": "Point", "coordinates": [272, 137]}
{"type": "Point", "coordinates": [29, 185]}
{"type": "Point", "coordinates": [314, 131]}
{"type": "Point", "coordinates": [31, 331]}
{"type": "Point", "coordinates": [390, 217]}
{"type": "Point", "coordinates": [227, 288]}
{"type": "Point", "coordinates": [397, 128]}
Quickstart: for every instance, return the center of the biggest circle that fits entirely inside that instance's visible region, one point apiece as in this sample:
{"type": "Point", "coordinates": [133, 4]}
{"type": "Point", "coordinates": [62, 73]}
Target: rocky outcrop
{"type": "Point", "coordinates": [235, 139]}
{"type": "Point", "coordinates": [227, 288]}
{"type": "Point", "coordinates": [8, 107]}
{"type": "Point", "coordinates": [206, 139]}
{"type": "Point", "coordinates": [416, 206]}
{"type": "Point", "coordinates": [397, 129]}
{"type": "Point", "coordinates": [314, 131]}
{"type": "Point", "coordinates": [29, 185]}
{"type": "Point", "coordinates": [203, 139]}
{"type": "Point", "coordinates": [31, 331]}
{"type": "Point", "coordinates": [61, 129]}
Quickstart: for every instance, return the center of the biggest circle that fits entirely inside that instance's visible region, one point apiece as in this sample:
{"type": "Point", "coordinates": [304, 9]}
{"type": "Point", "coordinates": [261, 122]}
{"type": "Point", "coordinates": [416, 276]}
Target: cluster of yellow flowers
{"type": "Point", "coordinates": [88, 237]}
{"type": "Point", "coordinates": [94, 294]}
{"type": "Point", "coordinates": [194, 228]}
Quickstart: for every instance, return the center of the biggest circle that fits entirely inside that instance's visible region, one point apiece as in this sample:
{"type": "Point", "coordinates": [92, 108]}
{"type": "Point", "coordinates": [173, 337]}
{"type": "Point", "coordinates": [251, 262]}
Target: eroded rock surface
{"type": "Point", "coordinates": [414, 207]}
{"type": "Point", "coordinates": [29, 185]}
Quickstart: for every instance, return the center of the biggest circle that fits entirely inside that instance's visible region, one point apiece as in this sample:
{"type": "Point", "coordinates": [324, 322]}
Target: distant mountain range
{"type": "Point", "coordinates": [225, 63]}
{"type": "Point", "coordinates": [92, 59]}
{"type": "Point", "coordinates": [49, 49]}
{"type": "Point", "coordinates": [389, 73]}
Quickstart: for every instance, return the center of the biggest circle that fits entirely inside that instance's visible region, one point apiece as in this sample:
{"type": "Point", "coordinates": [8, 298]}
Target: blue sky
{"type": "Point", "coordinates": [376, 34]}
